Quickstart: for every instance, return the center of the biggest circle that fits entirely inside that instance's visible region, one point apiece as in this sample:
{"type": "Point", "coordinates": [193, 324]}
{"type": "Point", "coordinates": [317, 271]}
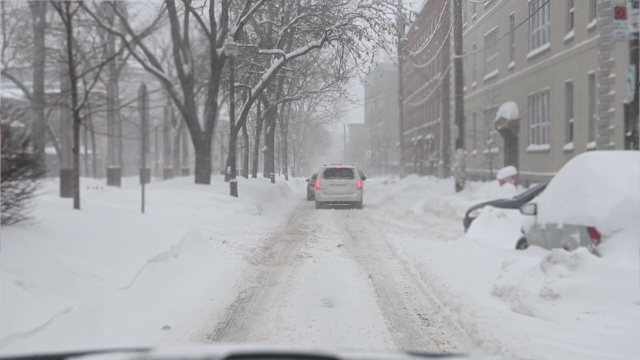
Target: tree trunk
{"type": "Point", "coordinates": [230, 168]}
{"type": "Point", "coordinates": [94, 155]}
{"type": "Point", "coordinates": [245, 151]}
{"type": "Point", "coordinates": [166, 142]}
{"type": "Point", "coordinates": [203, 162]}
{"type": "Point", "coordinates": [184, 153]}
{"type": "Point", "coordinates": [269, 141]}
{"type": "Point", "coordinates": [38, 101]}
{"type": "Point", "coordinates": [256, 143]}
{"type": "Point", "coordinates": [177, 137]}
{"type": "Point", "coordinates": [285, 154]}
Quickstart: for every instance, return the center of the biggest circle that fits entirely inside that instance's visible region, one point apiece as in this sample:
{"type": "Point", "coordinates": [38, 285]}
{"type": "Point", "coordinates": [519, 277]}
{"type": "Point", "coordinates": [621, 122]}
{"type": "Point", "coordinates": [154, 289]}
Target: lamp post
{"type": "Point", "coordinates": [231, 51]}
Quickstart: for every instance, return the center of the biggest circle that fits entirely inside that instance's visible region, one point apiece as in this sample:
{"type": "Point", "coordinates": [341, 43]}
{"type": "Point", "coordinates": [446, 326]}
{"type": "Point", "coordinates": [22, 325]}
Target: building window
{"type": "Point", "coordinates": [474, 66]}
{"type": "Point", "coordinates": [568, 103]}
{"type": "Point", "coordinates": [592, 107]}
{"type": "Point", "coordinates": [593, 10]}
{"type": "Point", "coordinates": [539, 23]}
{"type": "Point", "coordinates": [491, 52]}
{"type": "Point", "coordinates": [512, 38]}
{"type": "Point", "coordinates": [570, 15]}
{"type": "Point", "coordinates": [489, 130]}
{"type": "Point", "coordinates": [539, 118]}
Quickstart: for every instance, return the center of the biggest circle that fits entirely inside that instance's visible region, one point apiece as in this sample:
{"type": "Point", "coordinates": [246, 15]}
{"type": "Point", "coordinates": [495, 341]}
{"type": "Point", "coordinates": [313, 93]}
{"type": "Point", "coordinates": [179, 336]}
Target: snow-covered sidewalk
{"type": "Point", "coordinates": [110, 276]}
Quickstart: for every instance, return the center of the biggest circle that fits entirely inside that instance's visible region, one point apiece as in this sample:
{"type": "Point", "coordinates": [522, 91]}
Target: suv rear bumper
{"type": "Point", "coordinates": [339, 199]}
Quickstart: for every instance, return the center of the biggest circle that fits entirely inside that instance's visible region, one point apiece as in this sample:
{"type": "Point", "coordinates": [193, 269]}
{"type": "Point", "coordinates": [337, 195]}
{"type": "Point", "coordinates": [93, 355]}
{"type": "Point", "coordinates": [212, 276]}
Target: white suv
{"type": "Point", "coordinates": [340, 185]}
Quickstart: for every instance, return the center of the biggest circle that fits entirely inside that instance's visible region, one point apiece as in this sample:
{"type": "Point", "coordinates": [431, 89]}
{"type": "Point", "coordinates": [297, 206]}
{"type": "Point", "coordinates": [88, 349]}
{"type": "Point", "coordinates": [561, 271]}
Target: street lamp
{"type": "Point", "coordinates": [231, 51]}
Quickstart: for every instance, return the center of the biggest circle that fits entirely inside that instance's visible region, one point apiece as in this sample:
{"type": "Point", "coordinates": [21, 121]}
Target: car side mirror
{"type": "Point", "coordinates": [308, 180]}
{"type": "Point", "coordinates": [530, 209]}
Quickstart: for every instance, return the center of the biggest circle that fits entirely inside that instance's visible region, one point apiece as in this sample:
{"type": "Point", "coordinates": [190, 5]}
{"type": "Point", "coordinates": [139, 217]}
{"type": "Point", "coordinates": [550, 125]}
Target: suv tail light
{"type": "Point", "coordinates": [318, 184]}
{"type": "Point", "coordinates": [359, 184]}
{"type": "Point", "coordinates": [594, 234]}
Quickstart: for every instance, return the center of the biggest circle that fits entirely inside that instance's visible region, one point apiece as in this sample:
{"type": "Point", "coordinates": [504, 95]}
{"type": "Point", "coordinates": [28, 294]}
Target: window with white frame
{"type": "Point", "coordinates": [474, 65]}
{"type": "Point", "coordinates": [568, 103]}
{"type": "Point", "coordinates": [592, 106]}
{"type": "Point", "coordinates": [539, 23]}
{"type": "Point", "coordinates": [593, 10]}
{"type": "Point", "coordinates": [539, 118]}
{"type": "Point", "coordinates": [491, 51]}
{"type": "Point", "coordinates": [512, 38]}
{"type": "Point", "coordinates": [570, 15]}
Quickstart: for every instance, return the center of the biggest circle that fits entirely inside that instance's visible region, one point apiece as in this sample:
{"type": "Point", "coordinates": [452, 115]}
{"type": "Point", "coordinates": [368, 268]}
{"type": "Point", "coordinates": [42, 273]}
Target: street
{"type": "Point", "coordinates": [329, 278]}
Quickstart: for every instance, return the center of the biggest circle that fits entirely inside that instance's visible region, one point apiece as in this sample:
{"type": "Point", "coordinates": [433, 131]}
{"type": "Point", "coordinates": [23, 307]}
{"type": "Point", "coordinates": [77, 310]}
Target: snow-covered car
{"type": "Point", "coordinates": [505, 203]}
{"type": "Point", "coordinates": [339, 185]}
{"type": "Point", "coordinates": [595, 195]}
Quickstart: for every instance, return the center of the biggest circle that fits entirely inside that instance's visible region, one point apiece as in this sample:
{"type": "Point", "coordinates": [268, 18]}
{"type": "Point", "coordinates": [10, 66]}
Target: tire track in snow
{"type": "Point", "coordinates": [269, 266]}
{"type": "Point", "coordinates": [413, 317]}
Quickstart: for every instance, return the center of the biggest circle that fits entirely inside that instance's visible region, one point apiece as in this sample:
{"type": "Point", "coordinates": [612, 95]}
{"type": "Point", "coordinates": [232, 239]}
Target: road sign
{"type": "Point", "coordinates": [620, 23]}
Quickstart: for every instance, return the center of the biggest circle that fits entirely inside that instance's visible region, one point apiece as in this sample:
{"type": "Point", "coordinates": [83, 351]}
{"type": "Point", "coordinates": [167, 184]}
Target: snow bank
{"type": "Point", "coordinates": [110, 276]}
{"type": "Point", "coordinates": [499, 228]}
{"type": "Point", "coordinates": [530, 304]}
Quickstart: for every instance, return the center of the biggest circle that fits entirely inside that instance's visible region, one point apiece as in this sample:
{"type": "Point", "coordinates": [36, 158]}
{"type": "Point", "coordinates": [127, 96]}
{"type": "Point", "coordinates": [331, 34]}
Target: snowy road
{"type": "Point", "coordinates": [329, 278]}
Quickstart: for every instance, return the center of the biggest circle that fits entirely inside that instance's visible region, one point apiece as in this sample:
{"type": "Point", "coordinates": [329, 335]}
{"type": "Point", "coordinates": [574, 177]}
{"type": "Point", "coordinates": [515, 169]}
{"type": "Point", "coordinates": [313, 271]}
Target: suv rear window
{"type": "Point", "coordinates": [339, 173]}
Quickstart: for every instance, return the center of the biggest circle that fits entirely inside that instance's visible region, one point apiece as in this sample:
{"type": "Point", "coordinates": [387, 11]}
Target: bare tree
{"type": "Point", "coordinates": [290, 30]}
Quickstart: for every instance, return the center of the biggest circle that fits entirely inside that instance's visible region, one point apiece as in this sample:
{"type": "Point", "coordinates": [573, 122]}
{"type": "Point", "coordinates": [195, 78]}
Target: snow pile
{"type": "Point", "coordinates": [506, 172]}
{"type": "Point", "coordinates": [533, 303]}
{"type": "Point", "coordinates": [508, 111]}
{"type": "Point", "coordinates": [599, 188]}
{"type": "Point", "coordinates": [499, 228]}
{"type": "Point", "coordinates": [110, 276]}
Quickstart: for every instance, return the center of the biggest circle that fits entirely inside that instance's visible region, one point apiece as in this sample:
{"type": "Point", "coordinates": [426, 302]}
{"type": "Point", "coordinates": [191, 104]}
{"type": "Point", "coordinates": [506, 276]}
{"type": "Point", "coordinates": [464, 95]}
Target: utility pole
{"type": "Point", "coordinates": [400, 34]}
{"type": "Point", "coordinates": [458, 62]}
{"type": "Point", "coordinates": [632, 127]}
{"type": "Point", "coordinates": [142, 109]}
{"type": "Point", "coordinates": [344, 129]}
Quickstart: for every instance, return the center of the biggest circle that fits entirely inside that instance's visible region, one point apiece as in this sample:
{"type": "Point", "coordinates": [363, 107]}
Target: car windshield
{"type": "Point", "coordinates": [531, 191]}
{"type": "Point", "coordinates": [360, 175]}
{"type": "Point", "coordinates": [338, 173]}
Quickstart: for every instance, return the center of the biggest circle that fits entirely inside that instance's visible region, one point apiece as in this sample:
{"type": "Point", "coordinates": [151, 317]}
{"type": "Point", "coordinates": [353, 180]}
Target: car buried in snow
{"type": "Point", "coordinates": [592, 198]}
{"type": "Point", "coordinates": [504, 203]}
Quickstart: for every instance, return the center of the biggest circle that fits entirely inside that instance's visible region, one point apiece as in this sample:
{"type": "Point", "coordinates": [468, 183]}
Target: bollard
{"type": "Point", "coordinates": [273, 178]}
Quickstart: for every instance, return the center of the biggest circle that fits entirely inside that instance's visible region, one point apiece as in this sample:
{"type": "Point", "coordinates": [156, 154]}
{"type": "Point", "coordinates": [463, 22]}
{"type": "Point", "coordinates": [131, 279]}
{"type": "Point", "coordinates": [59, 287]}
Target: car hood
{"type": "Point", "coordinates": [236, 352]}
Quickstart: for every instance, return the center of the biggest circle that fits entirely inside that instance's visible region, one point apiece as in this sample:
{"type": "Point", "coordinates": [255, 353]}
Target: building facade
{"type": "Point", "coordinates": [427, 90]}
{"type": "Point", "coordinates": [544, 82]}
{"type": "Point", "coordinates": [381, 136]}
{"type": "Point", "coordinates": [358, 145]}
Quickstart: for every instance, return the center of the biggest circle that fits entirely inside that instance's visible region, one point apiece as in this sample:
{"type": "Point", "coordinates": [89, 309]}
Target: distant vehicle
{"type": "Point", "coordinates": [311, 187]}
{"type": "Point", "coordinates": [506, 203]}
{"type": "Point", "coordinates": [339, 185]}
{"type": "Point", "coordinates": [593, 197]}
